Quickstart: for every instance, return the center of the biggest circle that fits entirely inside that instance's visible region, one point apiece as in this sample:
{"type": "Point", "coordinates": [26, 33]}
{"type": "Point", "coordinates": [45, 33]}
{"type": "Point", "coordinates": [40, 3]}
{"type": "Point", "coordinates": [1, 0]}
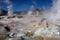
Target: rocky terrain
{"type": "Point", "coordinates": [26, 28]}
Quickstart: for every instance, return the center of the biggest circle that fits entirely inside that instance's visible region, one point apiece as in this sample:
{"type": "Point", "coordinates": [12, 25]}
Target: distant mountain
{"type": "Point", "coordinates": [4, 13]}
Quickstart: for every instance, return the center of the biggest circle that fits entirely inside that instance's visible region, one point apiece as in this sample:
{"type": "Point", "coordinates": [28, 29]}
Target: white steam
{"type": "Point", "coordinates": [9, 6]}
{"type": "Point", "coordinates": [30, 12]}
{"type": "Point", "coordinates": [53, 15]}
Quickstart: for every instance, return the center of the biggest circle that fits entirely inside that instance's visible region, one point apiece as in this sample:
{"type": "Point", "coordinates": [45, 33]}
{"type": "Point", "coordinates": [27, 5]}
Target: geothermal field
{"type": "Point", "coordinates": [34, 25]}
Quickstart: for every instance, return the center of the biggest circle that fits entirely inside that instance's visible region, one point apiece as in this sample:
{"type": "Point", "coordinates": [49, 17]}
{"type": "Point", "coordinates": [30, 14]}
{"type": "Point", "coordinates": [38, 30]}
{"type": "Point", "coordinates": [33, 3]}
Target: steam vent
{"type": "Point", "coordinates": [29, 19]}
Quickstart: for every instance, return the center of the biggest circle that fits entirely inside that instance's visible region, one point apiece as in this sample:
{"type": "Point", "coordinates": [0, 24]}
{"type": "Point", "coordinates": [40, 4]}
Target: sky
{"type": "Point", "coordinates": [22, 5]}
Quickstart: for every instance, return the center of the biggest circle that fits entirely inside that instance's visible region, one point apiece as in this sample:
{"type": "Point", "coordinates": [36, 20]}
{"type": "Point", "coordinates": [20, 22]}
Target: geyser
{"type": "Point", "coordinates": [56, 9]}
{"type": "Point", "coordinates": [9, 6]}
{"type": "Point", "coordinates": [53, 15]}
{"type": "Point", "coordinates": [31, 10]}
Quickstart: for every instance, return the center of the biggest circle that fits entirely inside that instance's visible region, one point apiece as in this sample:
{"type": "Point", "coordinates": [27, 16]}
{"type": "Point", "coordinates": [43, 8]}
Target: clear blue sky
{"type": "Point", "coordinates": [21, 5]}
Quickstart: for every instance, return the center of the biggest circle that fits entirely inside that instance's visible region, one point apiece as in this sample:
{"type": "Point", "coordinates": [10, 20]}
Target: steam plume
{"type": "Point", "coordinates": [9, 6]}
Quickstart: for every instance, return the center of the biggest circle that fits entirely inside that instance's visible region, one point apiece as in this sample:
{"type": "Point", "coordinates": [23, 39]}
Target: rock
{"type": "Point", "coordinates": [2, 30]}
{"type": "Point", "coordinates": [14, 39]}
{"type": "Point", "coordinates": [38, 38]}
{"type": "Point", "coordinates": [3, 37]}
{"type": "Point", "coordinates": [29, 33]}
{"type": "Point", "coordinates": [52, 38]}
